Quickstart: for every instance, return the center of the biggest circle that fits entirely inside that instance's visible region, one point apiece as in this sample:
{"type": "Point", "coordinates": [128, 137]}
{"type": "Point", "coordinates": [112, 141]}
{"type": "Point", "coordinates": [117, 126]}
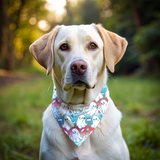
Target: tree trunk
{"type": "Point", "coordinates": [8, 49]}
{"type": "Point", "coordinates": [6, 45]}
{"type": "Point", "coordinates": [1, 23]}
{"type": "Point", "coordinates": [136, 14]}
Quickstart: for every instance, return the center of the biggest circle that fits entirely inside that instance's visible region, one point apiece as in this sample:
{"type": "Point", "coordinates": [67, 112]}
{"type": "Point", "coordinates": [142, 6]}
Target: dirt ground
{"type": "Point", "coordinates": [8, 78]}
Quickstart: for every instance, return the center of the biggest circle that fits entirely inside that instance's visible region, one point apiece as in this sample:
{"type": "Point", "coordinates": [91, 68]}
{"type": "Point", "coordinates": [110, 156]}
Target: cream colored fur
{"type": "Point", "coordinates": [106, 142]}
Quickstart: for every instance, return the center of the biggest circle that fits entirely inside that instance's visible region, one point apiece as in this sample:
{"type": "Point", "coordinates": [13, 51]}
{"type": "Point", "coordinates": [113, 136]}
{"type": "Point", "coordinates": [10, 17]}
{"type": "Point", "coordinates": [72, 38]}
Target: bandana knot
{"type": "Point", "coordinates": [79, 122]}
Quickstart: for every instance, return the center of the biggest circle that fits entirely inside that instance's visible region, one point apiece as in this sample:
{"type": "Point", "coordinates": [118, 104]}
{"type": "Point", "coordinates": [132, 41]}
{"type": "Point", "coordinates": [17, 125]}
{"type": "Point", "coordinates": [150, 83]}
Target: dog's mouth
{"type": "Point", "coordinates": [82, 85]}
{"type": "Point", "coordinates": [79, 83]}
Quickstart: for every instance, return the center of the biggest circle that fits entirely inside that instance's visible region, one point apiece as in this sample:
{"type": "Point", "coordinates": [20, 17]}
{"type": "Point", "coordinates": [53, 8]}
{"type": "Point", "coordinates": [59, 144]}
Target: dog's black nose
{"type": "Point", "coordinates": [78, 67]}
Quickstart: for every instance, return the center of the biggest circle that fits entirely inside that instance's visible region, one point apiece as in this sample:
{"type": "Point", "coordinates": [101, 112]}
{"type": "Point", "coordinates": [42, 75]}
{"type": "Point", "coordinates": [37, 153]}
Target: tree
{"type": "Point", "coordinates": [7, 49]}
{"type": "Point", "coordinates": [15, 30]}
{"type": "Point", "coordinates": [147, 38]}
{"type": "Point", "coordinates": [138, 22]}
{"type": "Point", "coordinates": [85, 12]}
{"type": "Point", "coordinates": [140, 26]}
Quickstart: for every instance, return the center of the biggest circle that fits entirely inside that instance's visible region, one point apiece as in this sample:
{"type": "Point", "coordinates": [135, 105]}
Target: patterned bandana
{"type": "Point", "coordinates": [79, 122]}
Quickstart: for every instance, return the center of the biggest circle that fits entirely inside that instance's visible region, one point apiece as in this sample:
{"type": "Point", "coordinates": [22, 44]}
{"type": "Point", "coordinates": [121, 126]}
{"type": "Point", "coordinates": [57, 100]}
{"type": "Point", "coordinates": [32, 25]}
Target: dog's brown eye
{"type": "Point", "coordinates": [64, 47]}
{"type": "Point", "coordinates": [92, 46]}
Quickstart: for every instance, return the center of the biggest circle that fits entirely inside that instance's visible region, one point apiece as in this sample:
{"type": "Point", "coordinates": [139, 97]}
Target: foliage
{"type": "Point", "coordinates": [17, 16]}
{"type": "Point", "coordinates": [21, 113]}
{"type": "Point", "coordinates": [127, 18]}
{"type": "Point", "coordinates": [26, 33]}
{"type": "Point", "coordinates": [141, 29]}
{"type": "Point", "coordinates": [147, 41]}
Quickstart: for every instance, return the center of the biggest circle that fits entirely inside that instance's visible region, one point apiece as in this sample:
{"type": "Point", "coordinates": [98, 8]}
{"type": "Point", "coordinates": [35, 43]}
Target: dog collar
{"type": "Point", "coordinates": [79, 122]}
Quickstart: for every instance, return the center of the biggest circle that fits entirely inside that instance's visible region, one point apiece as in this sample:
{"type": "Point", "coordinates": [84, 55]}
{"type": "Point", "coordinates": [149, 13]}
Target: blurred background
{"type": "Point", "coordinates": [134, 87]}
{"type": "Point", "coordinates": [24, 21]}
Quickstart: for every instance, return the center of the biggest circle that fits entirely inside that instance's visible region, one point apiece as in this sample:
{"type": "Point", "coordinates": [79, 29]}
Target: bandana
{"type": "Point", "coordinates": [79, 122]}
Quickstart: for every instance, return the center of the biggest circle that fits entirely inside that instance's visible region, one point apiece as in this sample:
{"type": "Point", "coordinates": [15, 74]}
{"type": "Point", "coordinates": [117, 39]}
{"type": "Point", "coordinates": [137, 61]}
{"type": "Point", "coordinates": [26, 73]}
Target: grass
{"type": "Point", "coordinates": [139, 101]}
{"type": "Point", "coordinates": [22, 107]}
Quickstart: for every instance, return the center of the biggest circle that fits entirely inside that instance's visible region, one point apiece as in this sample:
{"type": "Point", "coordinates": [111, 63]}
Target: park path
{"type": "Point", "coordinates": [8, 77]}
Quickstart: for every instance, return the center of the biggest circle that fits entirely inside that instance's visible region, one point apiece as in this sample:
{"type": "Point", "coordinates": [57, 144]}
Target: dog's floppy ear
{"type": "Point", "coordinates": [42, 49]}
{"type": "Point", "coordinates": [114, 47]}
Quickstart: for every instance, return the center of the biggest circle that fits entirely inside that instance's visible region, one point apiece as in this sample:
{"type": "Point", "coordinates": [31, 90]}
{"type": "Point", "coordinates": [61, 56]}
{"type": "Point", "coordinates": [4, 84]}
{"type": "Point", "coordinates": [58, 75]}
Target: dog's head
{"type": "Point", "coordinates": [78, 54]}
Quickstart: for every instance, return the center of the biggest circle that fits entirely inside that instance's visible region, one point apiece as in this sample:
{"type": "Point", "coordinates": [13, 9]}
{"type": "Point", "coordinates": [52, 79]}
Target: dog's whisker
{"type": "Point", "coordinates": [49, 87]}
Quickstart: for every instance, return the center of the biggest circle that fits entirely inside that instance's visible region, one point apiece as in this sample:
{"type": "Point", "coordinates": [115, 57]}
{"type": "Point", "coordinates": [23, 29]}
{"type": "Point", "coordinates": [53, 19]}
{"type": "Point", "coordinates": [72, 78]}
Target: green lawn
{"type": "Point", "coordinates": [22, 106]}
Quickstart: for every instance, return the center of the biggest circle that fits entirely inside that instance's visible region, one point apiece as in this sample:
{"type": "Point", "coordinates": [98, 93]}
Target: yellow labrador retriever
{"type": "Point", "coordinates": [82, 122]}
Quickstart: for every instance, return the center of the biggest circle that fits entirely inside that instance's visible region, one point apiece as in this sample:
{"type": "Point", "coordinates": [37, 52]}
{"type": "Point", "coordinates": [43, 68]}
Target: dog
{"type": "Point", "coordinates": [78, 55]}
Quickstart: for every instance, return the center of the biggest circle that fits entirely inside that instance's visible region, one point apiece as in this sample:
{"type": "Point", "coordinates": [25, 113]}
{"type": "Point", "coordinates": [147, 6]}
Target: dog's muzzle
{"type": "Point", "coordinates": [78, 69]}
{"type": "Point", "coordinates": [78, 76]}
